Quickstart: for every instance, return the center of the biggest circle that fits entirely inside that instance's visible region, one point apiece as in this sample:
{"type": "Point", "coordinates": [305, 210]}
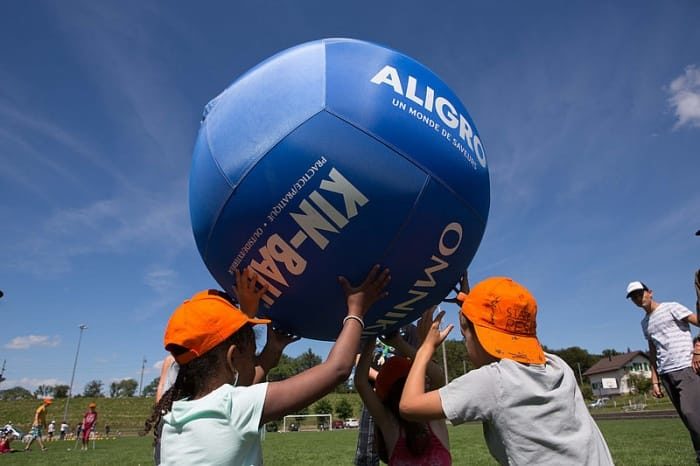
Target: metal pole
{"type": "Point", "coordinates": [72, 377]}
{"type": "Point", "coordinates": [580, 379]}
{"type": "Point", "coordinates": [444, 356]}
{"type": "Point", "coordinates": [143, 365]}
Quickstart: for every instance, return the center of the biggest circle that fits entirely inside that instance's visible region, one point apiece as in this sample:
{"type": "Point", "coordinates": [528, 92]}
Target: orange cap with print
{"type": "Point", "coordinates": [201, 323]}
{"type": "Point", "coordinates": [504, 316]}
{"type": "Point", "coordinates": [395, 368]}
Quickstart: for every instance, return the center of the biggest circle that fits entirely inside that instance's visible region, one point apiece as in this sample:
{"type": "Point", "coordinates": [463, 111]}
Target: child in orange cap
{"type": "Point", "coordinates": [38, 424]}
{"type": "Point", "coordinates": [400, 441]}
{"type": "Point", "coordinates": [213, 413]}
{"type": "Point", "coordinates": [89, 421]}
{"type": "Point", "coordinates": [531, 407]}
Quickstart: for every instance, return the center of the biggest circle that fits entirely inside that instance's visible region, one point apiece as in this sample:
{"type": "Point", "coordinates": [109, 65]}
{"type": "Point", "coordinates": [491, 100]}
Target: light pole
{"type": "Point", "coordinates": [143, 366]}
{"type": "Point", "coordinates": [72, 377]}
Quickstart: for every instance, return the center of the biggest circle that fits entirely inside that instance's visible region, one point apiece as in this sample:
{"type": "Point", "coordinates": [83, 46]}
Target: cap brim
{"type": "Point", "coordinates": [506, 346]}
{"type": "Point", "coordinates": [256, 321]}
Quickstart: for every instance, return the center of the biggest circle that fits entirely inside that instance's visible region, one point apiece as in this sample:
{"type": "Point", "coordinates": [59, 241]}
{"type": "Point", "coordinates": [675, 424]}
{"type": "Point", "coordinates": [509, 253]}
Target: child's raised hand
{"type": "Point", "coordinates": [278, 340]}
{"type": "Point", "coordinates": [424, 324]}
{"type": "Point", "coordinates": [247, 292]}
{"type": "Point", "coordinates": [361, 298]}
{"type": "Point", "coordinates": [434, 336]}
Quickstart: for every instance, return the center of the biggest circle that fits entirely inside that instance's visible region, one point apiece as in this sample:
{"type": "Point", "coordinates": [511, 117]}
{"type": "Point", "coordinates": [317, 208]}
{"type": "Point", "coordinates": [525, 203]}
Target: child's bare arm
{"type": "Point", "coordinates": [416, 404]}
{"type": "Point", "coordinates": [290, 395]}
{"type": "Point", "coordinates": [270, 356]}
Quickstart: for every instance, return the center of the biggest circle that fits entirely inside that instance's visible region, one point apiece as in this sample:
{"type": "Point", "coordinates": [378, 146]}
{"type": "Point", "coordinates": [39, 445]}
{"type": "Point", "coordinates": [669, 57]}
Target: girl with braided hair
{"type": "Point", "coordinates": [214, 411]}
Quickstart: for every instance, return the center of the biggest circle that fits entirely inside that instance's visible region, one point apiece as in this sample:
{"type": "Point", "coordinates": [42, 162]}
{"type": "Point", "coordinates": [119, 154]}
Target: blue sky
{"type": "Point", "coordinates": [589, 112]}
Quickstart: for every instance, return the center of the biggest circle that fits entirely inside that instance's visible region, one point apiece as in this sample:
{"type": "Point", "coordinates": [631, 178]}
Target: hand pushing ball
{"type": "Point", "coordinates": [330, 157]}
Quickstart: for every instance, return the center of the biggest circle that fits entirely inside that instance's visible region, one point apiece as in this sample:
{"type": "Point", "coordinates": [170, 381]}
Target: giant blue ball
{"type": "Point", "coordinates": [327, 158]}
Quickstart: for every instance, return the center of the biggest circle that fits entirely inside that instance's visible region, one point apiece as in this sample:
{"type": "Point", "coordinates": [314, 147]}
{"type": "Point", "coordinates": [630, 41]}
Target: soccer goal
{"type": "Point", "coordinates": [307, 422]}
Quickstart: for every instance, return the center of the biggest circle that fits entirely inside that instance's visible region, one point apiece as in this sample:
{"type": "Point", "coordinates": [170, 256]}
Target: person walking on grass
{"type": "Point", "coordinates": [674, 361]}
{"type": "Point", "coordinates": [39, 424]}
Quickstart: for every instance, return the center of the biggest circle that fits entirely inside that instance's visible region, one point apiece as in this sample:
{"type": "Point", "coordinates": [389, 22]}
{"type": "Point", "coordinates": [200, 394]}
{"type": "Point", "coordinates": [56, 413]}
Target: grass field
{"type": "Point", "coordinates": [632, 442]}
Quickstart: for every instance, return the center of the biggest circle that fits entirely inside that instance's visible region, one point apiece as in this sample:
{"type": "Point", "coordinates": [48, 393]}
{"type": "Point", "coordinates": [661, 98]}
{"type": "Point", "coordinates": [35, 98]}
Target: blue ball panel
{"type": "Point", "coordinates": [402, 119]}
{"type": "Point", "coordinates": [209, 189]}
{"type": "Point", "coordinates": [248, 119]}
{"type": "Point", "coordinates": [352, 249]}
{"type": "Point", "coordinates": [427, 258]}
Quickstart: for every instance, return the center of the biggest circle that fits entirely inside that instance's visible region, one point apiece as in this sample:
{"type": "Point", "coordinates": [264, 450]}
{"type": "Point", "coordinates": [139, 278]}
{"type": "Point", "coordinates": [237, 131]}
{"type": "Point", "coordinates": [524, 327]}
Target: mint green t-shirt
{"type": "Point", "coordinates": [222, 428]}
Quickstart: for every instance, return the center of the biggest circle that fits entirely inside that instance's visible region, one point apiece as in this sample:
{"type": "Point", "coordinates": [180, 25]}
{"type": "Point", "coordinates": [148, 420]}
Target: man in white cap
{"type": "Point", "coordinates": [673, 360]}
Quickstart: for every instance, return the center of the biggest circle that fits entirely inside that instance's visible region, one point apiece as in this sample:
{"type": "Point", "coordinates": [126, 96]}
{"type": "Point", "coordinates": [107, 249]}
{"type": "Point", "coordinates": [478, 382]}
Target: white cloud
{"type": "Point", "coordinates": [161, 280]}
{"type": "Point", "coordinates": [32, 340]}
{"type": "Point", "coordinates": [685, 97]}
{"type": "Point", "coordinates": [31, 383]}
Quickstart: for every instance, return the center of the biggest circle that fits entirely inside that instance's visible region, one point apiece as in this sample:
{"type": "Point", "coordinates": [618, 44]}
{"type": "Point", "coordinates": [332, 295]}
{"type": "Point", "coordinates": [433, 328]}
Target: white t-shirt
{"type": "Point", "coordinates": [668, 330]}
{"type": "Point", "coordinates": [531, 414]}
{"type": "Point", "coordinates": [221, 428]}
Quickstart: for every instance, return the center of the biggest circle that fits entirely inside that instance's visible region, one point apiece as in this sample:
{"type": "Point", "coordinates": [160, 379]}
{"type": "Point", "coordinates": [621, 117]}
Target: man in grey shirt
{"type": "Point", "coordinates": [673, 360]}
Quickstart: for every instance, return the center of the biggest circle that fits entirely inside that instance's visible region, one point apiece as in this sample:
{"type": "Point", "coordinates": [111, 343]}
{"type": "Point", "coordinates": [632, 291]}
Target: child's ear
{"type": "Point", "coordinates": [229, 358]}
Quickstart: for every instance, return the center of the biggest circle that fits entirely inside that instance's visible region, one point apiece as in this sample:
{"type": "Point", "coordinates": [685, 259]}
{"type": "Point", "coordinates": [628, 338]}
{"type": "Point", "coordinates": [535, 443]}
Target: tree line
{"type": "Point", "coordinates": [579, 359]}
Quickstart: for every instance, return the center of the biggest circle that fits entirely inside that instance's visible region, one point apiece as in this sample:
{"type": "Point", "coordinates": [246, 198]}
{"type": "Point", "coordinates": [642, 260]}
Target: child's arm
{"type": "Point", "coordinates": [271, 354]}
{"type": "Point", "coordinates": [294, 393]}
{"type": "Point", "coordinates": [374, 405]}
{"type": "Point", "coordinates": [434, 372]}
{"type": "Point", "coordinates": [247, 291]}
{"type": "Point", "coordinates": [416, 404]}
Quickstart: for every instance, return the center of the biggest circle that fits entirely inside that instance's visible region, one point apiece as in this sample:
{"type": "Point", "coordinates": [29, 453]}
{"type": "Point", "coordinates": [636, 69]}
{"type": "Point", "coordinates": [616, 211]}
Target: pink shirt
{"type": "Point", "coordinates": [434, 455]}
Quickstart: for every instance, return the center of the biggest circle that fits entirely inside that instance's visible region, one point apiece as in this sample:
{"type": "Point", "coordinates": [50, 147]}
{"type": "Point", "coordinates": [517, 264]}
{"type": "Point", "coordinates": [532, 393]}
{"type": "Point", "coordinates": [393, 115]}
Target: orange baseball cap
{"type": "Point", "coordinates": [391, 371]}
{"type": "Point", "coordinates": [504, 316]}
{"type": "Point", "coordinates": [48, 401]}
{"type": "Point", "coordinates": [201, 323]}
{"type": "Point", "coordinates": [92, 405]}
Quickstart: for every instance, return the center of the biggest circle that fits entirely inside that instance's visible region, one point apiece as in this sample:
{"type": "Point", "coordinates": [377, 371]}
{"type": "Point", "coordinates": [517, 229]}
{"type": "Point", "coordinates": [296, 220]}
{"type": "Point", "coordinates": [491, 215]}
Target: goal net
{"type": "Point", "coordinates": [306, 422]}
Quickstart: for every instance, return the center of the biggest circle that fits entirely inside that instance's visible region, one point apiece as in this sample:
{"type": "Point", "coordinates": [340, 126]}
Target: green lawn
{"type": "Point", "coordinates": [632, 442]}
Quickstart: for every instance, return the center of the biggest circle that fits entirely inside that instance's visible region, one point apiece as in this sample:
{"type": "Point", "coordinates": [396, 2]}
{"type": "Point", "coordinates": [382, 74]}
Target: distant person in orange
{"type": "Point", "coordinates": [89, 421]}
{"type": "Point", "coordinates": [38, 424]}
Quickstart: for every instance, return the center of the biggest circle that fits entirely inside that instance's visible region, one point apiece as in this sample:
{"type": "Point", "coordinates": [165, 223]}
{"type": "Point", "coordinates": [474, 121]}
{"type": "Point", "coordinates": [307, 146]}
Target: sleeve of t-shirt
{"type": "Point", "coordinates": [472, 396]}
{"type": "Point", "coordinates": [247, 407]}
{"type": "Point", "coordinates": [679, 311]}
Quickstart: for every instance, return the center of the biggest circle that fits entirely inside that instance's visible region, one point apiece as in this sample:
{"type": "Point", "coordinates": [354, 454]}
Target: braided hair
{"type": "Point", "coordinates": [194, 378]}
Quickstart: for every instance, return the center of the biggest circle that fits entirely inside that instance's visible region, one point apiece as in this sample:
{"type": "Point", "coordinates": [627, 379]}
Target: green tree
{"type": "Point", "coordinates": [607, 353]}
{"type": "Point", "coordinates": [123, 388]}
{"type": "Point", "coordinates": [93, 389]}
{"type": "Point", "coordinates": [60, 391]}
{"type": "Point", "coordinates": [640, 383]}
{"type": "Point", "coordinates": [285, 368]}
{"type": "Point", "coordinates": [576, 358]}
{"type": "Point", "coordinates": [457, 359]}
{"type": "Point", "coordinates": [16, 393]}
{"type": "Point", "coordinates": [151, 388]}
{"type": "Point", "coordinates": [343, 408]}
{"type": "Point", "coordinates": [307, 361]}
{"type": "Point", "coordinates": [43, 391]}
{"type": "Point", "coordinates": [114, 389]}
{"type": "Point", "coordinates": [323, 406]}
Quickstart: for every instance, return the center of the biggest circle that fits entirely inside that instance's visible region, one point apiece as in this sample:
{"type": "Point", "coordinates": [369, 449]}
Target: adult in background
{"type": "Point", "coordinates": [63, 430]}
{"type": "Point", "coordinates": [51, 430]}
{"type": "Point", "coordinates": [38, 424]}
{"type": "Point", "coordinates": [673, 359]}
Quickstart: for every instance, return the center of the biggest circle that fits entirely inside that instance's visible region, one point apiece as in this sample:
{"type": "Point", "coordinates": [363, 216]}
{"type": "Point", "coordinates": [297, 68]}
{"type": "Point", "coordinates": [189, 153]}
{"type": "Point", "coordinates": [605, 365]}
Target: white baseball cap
{"type": "Point", "coordinates": [635, 286]}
